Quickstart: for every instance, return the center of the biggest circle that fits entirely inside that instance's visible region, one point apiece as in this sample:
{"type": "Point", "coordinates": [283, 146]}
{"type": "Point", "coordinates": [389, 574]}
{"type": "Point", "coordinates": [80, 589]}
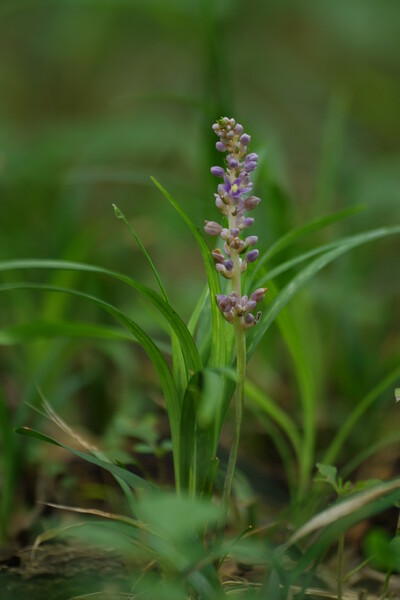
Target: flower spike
{"type": "Point", "coordinates": [233, 202]}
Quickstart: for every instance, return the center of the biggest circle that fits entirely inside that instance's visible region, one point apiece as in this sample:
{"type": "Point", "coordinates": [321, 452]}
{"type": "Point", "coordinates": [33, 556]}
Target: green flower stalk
{"type": "Point", "coordinates": [233, 201]}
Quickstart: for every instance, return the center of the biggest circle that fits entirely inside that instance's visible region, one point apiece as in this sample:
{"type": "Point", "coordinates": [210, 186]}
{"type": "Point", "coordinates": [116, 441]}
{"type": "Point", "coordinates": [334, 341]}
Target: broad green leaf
{"type": "Point", "coordinates": [189, 349]}
{"type": "Point", "coordinates": [136, 482]}
{"type": "Point", "coordinates": [384, 552]}
{"type": "Point", "coordinates": [328, 474]}
{"type": "Point", "coordinates": [218, 358]}
{"type": "Point", "coordinates": [307, 273]}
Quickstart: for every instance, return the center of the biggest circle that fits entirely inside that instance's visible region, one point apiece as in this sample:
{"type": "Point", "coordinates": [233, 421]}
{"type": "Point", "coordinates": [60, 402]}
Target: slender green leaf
{"type": "Point", "coordinates": [339, 518]}
{"type": "Point", "coordinates": [197, 444]}
{"type": "Point", "coordinates": [136, 482]}
{"type": "Point", "coordinates": [345, 429]}
{"type": "Point", "coordinates": [120, 215]}
{"type": "Point", "coordinates": [218, 358]}
{"type": "Point", "coordinates": [261, 399]}
{"type": "Point", "coordinates": [181, 375]}
{"type": "Point", "coordinates": [302, 231]}
{"type": "Point", "coordinates": [191, 355]}
{"type": "Point", "coordinates": [159, 362]}
{"type": "Point", "coordinates": [370, 450]}
{"type": "Point", "coordinates": [198, 309]}
{"type": "Point", "coordinates": [343, 508]}
{"type": "Point", "coordinates": [305, 381]}
{"type": "Point", "coordinates": [25, 332]}
{"type": "Point", "coordinates": [307, 273]}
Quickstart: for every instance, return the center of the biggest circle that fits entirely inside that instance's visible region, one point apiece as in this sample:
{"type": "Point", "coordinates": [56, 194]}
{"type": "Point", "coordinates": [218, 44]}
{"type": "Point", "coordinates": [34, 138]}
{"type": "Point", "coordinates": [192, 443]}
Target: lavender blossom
{"type": "Point", "coordinates": [233, 203]}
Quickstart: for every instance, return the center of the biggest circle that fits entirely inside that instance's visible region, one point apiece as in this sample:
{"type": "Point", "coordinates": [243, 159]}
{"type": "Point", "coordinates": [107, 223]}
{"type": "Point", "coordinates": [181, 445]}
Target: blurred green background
{"type": "Point", "coordinates": [97, 95]}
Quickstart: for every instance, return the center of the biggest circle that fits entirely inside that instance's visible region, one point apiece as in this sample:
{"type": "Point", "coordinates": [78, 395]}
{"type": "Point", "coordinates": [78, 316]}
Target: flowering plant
{"type": "Point", "coordinates": [198, 389]}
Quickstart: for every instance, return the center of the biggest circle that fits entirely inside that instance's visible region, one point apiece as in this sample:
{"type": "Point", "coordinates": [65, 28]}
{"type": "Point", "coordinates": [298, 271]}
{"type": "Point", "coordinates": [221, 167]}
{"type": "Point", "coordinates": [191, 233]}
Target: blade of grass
{"type": "Point", "coordinates": [300, 232]}
{"type": "Point", "coordinates": [120, 215]}
{"type": "Point", "coordinates": [343, 508]}
{"type": "Point", "coordinates": [218, 358]}
{"type": "Point", "coordinates": [26, 332]}
{"type": "Point", "coordinates": [190, 351]}
{"type": "Point", "coordinates": [307, 273]}
{"type": "Point", "coordinates": [166, 380]}
{"type": "Point", "coordinates": [181, 375]}
{"type": "Point", "coordinates": [338, 519]}
{"type": "Point", "coordinates": [134, 481]}
{"type": "Point", "coordinates": [198, 309]}
{"type": "Point", "coordinates": [331, 454]}
{"type": "Point", "coordinates": [305, 382]}
{"type": "Point", "coordinates": [262, 400]}
{"type": "Point", "coordinates": [359, 458]}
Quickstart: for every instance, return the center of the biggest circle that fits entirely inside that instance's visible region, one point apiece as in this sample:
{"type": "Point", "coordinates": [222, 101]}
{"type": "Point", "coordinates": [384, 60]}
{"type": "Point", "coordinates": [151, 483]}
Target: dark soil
{"type": "Point", "coordinates": [59, 572]}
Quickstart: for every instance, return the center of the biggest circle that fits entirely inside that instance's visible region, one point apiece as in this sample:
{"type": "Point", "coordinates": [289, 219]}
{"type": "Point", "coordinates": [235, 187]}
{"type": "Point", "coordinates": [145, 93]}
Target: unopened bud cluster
{"type": "Point", "coordinates": [233, 202]}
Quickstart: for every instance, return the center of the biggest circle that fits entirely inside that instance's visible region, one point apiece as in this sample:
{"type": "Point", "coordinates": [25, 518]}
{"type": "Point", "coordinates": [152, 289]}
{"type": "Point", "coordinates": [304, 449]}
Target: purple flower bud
{"type": "Point", "coordinates": [216, 127]}
{"type": "Point", "coordinates": [212, 228]}
{"type": "Point", "coordinates": [232, 162]}
{"type": "Point", "coordinates": [251, 305]}
{"type": "Point", "coordinates": [220, 146]}
{"type": "Point", "coordinates": [221, 205]}
{"type": "Point", "coordinates": [229, 265]}
{"type": "Point", "coordinates": [252, 157]}
{"type": "Point", "coordinates": [251, 202]}
{"type": "Point", "coordinates": [248, 222]}
{"type": "Point", "coordinates": [249, 320]}
{"type": "Point", "coordinates": [217, 171]}
{"type": "Point", "coordinates": [250, 166]}
{"type": "Point", "coordinates": [239, 129]}
{"type": "Point", "coordinates": [221, 190]}
{"type": "Point", "coordinates": [251, 240]}
{"type": "Point", "coordinates": [225, 234]}
{"type": "Point", "coordinates": [235, 231]}
{"type": "Point", "coordinates": [218, 256]}
{"type": "Point", "coordinates": [236, 244]}
{"type": "Point", "coordinates": [223, 271]}
{"type": "Point", "coordinates": [252, 256]}
{"type": "Point", "coordinates": [233, 297]}
{"type": "Point", "coordinates": [245, 139]}
{"type": "Point", "coordinates": [224, 302]}
{"type": "Point", "coordinates": [258, 295]}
